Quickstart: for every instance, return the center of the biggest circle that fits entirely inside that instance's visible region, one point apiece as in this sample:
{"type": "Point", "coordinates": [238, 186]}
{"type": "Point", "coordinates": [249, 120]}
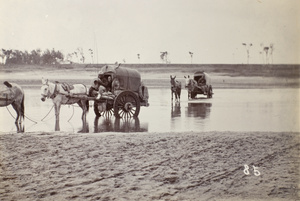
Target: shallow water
{"type": "Point", "coordinates": [228, 110]}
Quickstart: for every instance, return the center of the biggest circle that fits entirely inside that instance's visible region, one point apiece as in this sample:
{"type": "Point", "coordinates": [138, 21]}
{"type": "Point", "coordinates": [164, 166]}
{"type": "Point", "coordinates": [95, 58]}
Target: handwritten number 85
{"type": "Point", "coordinates": [246, 170]}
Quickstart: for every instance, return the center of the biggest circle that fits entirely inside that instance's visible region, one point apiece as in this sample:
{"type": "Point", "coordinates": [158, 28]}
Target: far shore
{"type": "Point", "coordinates": [158, 75]}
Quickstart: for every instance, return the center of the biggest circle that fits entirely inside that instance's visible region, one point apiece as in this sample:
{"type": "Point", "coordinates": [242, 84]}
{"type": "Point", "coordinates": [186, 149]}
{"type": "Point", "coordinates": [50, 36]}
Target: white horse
{"type": "Point", "coordinates": [60, 96]}
{"type": "Point", "coordinates": [190, 84]}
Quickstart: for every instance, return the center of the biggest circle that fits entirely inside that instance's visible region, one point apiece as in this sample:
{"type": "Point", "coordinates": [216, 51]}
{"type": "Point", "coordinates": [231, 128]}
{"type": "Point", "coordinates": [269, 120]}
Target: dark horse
{"type": "Point", "coordinates": [13, 94]}
{"type": "Point", "coordinates": [175, 88]}
{"type": "Point", "coordinates": [60, 96]}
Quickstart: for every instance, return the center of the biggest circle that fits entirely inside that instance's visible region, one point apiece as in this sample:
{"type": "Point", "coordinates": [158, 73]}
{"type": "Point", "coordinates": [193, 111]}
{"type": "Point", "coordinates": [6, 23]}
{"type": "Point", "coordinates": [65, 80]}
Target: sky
{"type": "Point", "coordinates": [118, 30]}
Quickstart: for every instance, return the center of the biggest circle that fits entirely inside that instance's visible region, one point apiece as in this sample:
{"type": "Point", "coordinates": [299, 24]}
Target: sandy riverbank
{"type": "Point", "coordinates": [149, 166]}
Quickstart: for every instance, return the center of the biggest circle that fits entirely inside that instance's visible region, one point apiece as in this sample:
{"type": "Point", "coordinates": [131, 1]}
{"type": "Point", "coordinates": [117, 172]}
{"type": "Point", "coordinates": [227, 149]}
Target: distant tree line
{"type": "Point", "coordinates": [32, 57]}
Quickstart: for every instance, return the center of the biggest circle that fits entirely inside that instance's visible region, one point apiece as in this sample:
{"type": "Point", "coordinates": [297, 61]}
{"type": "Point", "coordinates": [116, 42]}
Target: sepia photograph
{"type": "Point", "coordinates": [163, 100]}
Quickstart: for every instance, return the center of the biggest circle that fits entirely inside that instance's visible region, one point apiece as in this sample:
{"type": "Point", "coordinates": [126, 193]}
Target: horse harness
{"type": "Point", "coordinates": [7, 95]}
{"type": "Point", "coordinates": [65, 86]}
{"type": "Point", "coordinates": [55, 92]}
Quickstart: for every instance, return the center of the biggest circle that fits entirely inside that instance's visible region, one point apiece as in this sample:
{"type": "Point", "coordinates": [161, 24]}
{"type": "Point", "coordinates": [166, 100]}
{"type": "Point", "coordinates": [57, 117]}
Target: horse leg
{"type": "Point", "coordinates": [83, 105]}
{"type": "Point", "coordinates": [17, 109]}
{"type": "Point", "coordinates": [57, 110]}
{"type": "Point", "coordinates": [96, 110]}
{"type": "Point", "coordinates": [20, 116]}
{"type": "Point", "coordinates": [172, 95]}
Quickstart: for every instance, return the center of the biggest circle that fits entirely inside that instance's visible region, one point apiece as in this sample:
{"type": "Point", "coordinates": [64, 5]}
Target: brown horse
{"type": "Point", "coordinates": [13, 94]}
{"type": "Point", "coordinates": [175, 88]}
{"type": "Point", "coordinates": [60, 96]}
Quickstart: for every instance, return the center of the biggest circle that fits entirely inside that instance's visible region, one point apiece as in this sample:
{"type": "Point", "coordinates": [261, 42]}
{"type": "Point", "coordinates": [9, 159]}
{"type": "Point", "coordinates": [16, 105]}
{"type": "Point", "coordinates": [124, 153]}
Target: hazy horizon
{"type": "Point", "coordinates": [117, 31]}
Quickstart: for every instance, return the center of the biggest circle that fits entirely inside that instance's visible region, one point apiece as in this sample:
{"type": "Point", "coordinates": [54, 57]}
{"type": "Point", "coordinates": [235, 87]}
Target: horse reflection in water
{"type": "Point", "coordinates": [201, 110]}
{"type": "Point", "coordinates": [112, 124]}
{"type": "Point", "coordinates": [13, 94]}
{"type": "Point", "coordinates": [175, 110]}
{"type": "Point", "coordinates": [85, 127]}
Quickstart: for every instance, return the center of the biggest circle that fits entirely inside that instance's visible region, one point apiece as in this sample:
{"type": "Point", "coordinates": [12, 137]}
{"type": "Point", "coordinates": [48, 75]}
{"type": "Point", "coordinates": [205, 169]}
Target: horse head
{"type": "Point", "coordinates": [172, 81]}
{"type": "Point", "coordinates": [45, 93]}
{"type": "Point", "coordinates": [189, 83]}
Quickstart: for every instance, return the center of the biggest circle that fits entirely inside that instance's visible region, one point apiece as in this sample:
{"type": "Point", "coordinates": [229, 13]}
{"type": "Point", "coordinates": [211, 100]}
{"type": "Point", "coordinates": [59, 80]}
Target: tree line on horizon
{"type": "Point", "coordinates": [47, 56]}
{"type": "Point", "coordinates": [267, 49]}
{"type": "Point", "coordinates": [32, 57]}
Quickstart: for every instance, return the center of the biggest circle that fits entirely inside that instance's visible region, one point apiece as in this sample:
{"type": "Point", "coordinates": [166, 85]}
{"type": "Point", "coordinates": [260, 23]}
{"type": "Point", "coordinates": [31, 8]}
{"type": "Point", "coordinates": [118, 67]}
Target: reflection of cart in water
{"type": "Point", "coordinates": [201, 110]}
{"type": "Point", "coordinates": [111, 124]}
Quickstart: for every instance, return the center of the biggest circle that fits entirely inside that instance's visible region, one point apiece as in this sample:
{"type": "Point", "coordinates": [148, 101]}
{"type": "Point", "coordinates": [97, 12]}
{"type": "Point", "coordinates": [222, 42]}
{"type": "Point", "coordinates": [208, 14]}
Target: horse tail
{"type": "Point", "coordinates": [23, 107]}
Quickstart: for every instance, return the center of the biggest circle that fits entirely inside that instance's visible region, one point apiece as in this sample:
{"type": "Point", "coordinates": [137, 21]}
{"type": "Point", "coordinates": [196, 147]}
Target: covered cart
{"type": "Point", "coordinates": [125, 93]}
{"type": "Point", "coordinates": [203, 86]}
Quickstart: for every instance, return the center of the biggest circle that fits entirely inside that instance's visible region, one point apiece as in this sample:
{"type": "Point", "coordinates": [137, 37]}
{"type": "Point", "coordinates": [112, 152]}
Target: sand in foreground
{"type": "Point", "coordinates": [149, 166]}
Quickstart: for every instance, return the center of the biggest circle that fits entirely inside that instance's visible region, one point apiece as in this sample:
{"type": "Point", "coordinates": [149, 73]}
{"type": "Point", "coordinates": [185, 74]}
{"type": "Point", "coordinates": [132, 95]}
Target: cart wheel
{"type": "Point", "coordinates": [109, 111]}
{"type": "Point", "coordinates": [209, 93]}
{"type": "Point", "coordinates": [126, 105]}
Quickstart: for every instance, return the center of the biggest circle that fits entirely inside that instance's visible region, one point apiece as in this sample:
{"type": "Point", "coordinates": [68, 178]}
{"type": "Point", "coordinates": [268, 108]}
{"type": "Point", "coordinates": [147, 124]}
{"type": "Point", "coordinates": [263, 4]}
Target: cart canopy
{"type": "Point", "coordinates": [206, 76]}
{"type": "Point", "coordinates": [129, 79]}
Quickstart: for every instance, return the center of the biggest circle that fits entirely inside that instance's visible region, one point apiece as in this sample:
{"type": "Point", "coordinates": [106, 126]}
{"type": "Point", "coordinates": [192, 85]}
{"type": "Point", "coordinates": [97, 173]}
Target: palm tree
{"type": "Point", "coordinates": [69, 57]}
{"type": "Point", "coordinates": [266, 49]}
{"type": "Point", "coordinates": [191, 53]}
{"type": "Point", "coordinates": [271, 51]}
{"type": "Point", "coordinates": [247, 50]}
{"type": "Point", "coordinates": [164, 56]}
{"type": "Point", "coordinates": [80, 51]}
{"type": "Point", "coordinates": [91, 52]}
{"type": "Point", "coordinates": [75, 53]}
